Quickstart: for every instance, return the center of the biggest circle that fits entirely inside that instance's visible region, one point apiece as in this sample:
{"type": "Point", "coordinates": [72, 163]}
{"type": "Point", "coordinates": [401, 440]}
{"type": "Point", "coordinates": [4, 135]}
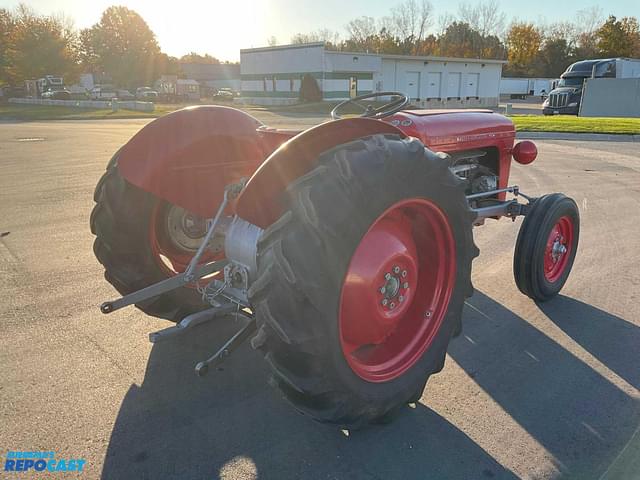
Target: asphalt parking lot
{"type": "Point", "coordinates": [528, 391]}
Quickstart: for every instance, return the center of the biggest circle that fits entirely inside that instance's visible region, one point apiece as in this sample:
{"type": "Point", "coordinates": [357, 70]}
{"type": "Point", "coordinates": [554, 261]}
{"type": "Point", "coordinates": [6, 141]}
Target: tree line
{"type": "Point", "coordinates": [481, 30]}
{"type": "Point", "coordinates": [123, 47]}
{"type": "Point", "coordinates": [120, 45]}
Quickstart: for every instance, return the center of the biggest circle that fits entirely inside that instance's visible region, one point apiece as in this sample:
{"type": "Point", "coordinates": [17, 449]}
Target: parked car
{"type": "Point", "coordinates": [56, 94]}
{"type": "Point", "coordinates": [103, 93]}
{"type": "Point", "coordinates": [224, 94]}
{"type": "Point", "coordinates": [146, 93]}
{"type": "Point", "coordinates": [125, 95]}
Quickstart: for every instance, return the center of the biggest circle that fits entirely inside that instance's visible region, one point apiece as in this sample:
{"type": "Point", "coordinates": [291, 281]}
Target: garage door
{"type": "Point", "coordinates": [413, 85]}
{"type": "Point", "coordinates": [433, 84]}
{"type": "Point", "coordinates": [453, 87]}
{"type": "Point", "coordinates": [472, 84]}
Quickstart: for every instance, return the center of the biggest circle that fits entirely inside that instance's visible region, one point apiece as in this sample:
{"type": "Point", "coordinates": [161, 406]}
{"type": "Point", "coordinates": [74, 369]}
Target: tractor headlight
{"type": "Point", "coordinates": [573, 104]}
{"type": "Point", "coordinates": [546, 102]}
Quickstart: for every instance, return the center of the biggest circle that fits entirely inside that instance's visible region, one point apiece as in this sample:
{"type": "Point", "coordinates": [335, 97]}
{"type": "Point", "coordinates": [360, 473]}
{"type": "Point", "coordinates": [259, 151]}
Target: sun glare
{"type": "Point", "coordinates": [218, 28]}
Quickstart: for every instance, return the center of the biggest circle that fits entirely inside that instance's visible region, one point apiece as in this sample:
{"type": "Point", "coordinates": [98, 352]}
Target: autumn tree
{"type": "Point", "coordinates": [194, 57]}
{"type": "Point", "coordinates": [6, 30]}
{"type": "Point", "coordinates": [167, 65]}
{"type": "Point", "coordinates": [619, 38]}
{"type": "Point", "coordinates": [34, 46]}
{"type": "Point", "coordinates": [523, 43]}
{"type": "Point", "coordinates": [122, 45]}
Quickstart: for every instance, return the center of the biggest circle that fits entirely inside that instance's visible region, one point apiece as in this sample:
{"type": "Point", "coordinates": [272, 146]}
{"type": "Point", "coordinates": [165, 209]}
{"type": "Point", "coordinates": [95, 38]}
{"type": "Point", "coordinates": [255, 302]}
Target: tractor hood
{"type": "Point", "coordinates": [452, 130]}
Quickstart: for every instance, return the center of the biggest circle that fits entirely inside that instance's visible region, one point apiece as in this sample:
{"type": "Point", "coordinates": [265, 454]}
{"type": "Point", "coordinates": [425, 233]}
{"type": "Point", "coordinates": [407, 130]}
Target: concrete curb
{"type": "Point", "coordinates": [595, 137]}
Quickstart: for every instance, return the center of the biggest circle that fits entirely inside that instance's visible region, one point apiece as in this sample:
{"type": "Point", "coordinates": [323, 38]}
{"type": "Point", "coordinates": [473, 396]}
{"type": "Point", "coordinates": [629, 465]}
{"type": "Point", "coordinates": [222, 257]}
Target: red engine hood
{"type": "Point", "coordinates": [450, 130]}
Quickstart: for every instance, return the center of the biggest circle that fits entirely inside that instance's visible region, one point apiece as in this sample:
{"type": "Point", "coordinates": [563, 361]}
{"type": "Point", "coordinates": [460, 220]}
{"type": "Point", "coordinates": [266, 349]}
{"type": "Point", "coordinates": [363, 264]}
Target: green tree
{"type": "Point", "coordinates": [523, 45]}
{"type": "Point", "coordinates": [619, 38]}
{"type": "Point", "coordinates": [34, 46]}
{"type": "Point", "coordinates": [461, 40]}
{"type": "Point", "coordinates": [122, 45]}
{"type": "Point", "coordinates": [554, 57]}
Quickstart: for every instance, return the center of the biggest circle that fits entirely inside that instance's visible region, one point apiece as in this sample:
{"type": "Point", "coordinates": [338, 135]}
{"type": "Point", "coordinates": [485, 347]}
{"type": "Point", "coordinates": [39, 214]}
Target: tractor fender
{"type": "Point", "coordinates": [260, 200]}
{"type": "Point", "coordinates": [188, 156]}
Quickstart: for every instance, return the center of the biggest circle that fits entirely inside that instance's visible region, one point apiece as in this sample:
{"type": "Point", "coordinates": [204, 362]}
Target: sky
{"type": "Point", "coordinates": [222, 28]}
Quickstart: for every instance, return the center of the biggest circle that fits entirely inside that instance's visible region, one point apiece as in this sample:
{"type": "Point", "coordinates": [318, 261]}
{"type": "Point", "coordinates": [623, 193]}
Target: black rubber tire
{"type": "Point", "coordinates": [120, 222]}
{"type": "Point", "coordinates": [528, 258]}
{"type": "Point", "coordinates": [302, 261]}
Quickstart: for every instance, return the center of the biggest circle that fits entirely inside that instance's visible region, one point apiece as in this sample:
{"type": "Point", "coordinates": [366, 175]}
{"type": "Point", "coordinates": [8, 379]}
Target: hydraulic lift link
{"type": "Point", "coordinates": [161, 287]}
{"type": "Point", "coordinates": [202, 368]}
{"type": "Point", "coordinates": [192, 271]}
{"type": "Point", "coordinates": [190, 321]}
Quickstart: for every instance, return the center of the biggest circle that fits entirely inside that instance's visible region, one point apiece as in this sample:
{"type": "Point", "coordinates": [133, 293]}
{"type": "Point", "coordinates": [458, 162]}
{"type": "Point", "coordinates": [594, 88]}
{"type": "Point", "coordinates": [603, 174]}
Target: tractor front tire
{"type": "Point", "coordinates": [120, 220]}
{"type": "Point", "coordinates": [546, 246]}
{"type": "Point", "coordinates": [341, 354]}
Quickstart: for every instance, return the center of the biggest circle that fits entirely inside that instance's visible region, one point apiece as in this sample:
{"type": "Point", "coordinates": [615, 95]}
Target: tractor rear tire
{"type": "Point", "coordinates": [303, 261]}
{"type": "Point", "coordinates": [120, 220]}
{"type": "Point", "coordinates": [539, 271]}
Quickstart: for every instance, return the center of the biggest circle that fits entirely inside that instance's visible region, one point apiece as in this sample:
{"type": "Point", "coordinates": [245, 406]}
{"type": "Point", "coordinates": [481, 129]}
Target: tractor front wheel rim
{"type": "Point", "coordinates": [397, 289]}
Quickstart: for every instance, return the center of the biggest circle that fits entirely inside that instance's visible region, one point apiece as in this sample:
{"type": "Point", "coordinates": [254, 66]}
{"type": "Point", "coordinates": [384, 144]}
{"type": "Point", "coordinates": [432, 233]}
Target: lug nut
{"type": "Point", "coordinates": [404, 273]}
{"type": "Point", "coordinates": [392, 305]}
{"type": "Point", "coordinates": [405, 285]}
{"type": "Point", "coordinates": [384, 302]}
{"type": "Point", "coordinates": [387, 276]}
{"type": "Point", "coordinates": [427, 313]}
{"type": "Point", "coordinates": [382, 290]}
{"type": "Point", "coordinates": [396, 269]}
{"type": "Point", "coordinates": [400, 298]}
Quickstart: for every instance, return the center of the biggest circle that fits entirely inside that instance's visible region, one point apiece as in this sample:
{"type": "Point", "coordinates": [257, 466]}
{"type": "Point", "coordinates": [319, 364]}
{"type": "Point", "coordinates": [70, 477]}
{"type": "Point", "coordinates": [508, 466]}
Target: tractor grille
{"type": "Point", "coordinates": [558, 99]}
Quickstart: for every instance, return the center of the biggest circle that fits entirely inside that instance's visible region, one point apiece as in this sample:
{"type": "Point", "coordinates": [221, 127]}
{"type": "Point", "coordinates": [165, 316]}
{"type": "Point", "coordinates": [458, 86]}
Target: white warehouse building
{"type": "Point", "coordinates": [273, 75]}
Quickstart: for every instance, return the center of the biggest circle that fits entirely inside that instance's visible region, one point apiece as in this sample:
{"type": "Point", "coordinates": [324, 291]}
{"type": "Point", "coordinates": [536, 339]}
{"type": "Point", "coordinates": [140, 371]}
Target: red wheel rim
{"type": "Point", "coordinates": [397, 289]}
{"type": "Point", "coordinates": [170, 257]}
{"type": "Point", "coordinates": [558, 249]}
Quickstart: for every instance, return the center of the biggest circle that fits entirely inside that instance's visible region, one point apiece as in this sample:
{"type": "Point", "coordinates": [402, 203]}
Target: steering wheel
{"type": "Point", "coordinates": [397, 103]}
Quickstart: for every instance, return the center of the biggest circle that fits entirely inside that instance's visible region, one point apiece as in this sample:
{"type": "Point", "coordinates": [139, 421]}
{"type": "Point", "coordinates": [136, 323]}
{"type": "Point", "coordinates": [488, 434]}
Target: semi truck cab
{"type": "Point", "coordinates": [565, 98]}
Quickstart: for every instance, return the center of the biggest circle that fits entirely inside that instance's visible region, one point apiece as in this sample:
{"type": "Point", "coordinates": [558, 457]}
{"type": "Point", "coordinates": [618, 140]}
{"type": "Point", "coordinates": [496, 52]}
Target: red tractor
{"type": "Point", "coordinates": [347, 247]}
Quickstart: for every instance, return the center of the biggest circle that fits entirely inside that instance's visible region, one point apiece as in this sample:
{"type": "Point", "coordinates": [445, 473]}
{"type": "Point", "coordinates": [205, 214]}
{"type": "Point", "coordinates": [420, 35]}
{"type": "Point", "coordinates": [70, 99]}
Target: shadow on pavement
{"type": "Point", "coordinates": [175, 425]}
{"type": "Point", "coordinates": [232, 425]}
{"type": "Point", "coordinates": [575, 413]}
{"type": "Point", "coordinates": [612, 340]}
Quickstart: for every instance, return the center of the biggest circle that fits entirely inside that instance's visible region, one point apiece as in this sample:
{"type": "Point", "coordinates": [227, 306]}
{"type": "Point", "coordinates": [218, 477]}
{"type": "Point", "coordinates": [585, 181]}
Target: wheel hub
{"type": "Point", "coordinates": [194, 226]}
{"type": "Point", "coordinates": [558, 248]}
{"type": "Point", "coordinates": [175, 235]}
{"type": "Point", "coordinates": [395, 288]}
{"type": "Point", "coordinates": [186, 230]}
